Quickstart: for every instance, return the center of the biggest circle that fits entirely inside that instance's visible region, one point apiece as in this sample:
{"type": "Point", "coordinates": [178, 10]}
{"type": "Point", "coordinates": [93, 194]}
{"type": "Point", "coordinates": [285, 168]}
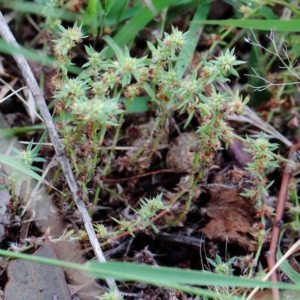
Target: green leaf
{"type": "Point", "coordinates": [113, 46]}
{"type": "Point", "coordinates": [231, 260]}
{"type": "Point", "coordinates": [234, 72]}
{"type": "Point", "coordinates": [165, 276]}
{"type": "Point", "coordinates": [211, 262]}
{"type": "Point", "coordinates": [38, 147]}
{"type": "Point", "coordinates": [7, 132]}
{"type": "Point", "coordinates": [120, 12]}
{"type": "Point", "coordinates": [189, 119]}
{"type": "Point", "coordinates": [12, 162]}
{"type": "Point", "coordinates": [149, 90]}
{"type": "Point", "coordinates": [137, 105]}
{"type": "Point", "coordinates": [267, 13]}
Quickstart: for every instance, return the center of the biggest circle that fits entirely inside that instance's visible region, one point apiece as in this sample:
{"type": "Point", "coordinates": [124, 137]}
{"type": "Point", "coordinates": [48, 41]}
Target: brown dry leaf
{"type": "Point", "coordinates": [79, 283]}
{"type": "Point", "coordinates": [231, 217]}
{"type": "Point", "coordinates": [7, 88]}
{"type": "Point", "coordinates": [36, 281]}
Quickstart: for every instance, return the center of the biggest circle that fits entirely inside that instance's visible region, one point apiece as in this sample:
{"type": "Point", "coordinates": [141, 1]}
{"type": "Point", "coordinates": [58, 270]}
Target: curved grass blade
{"type": "Point", "coordinates": [195, 30]}
{"type": "Point", "coordinates": [287, 269]}
{"type": "Point", "coordinates": [32, 55]}
{"type": "Point", "coordinates": [34, 8]}
{"type": "Point", "coordinates": [12, 162]}
{"type": "Point", "coordinates": [161, 276]}
{"type": "Point", "coordinates": [278, 25]}
{"type": "Point", "coordinates": [7, 132]}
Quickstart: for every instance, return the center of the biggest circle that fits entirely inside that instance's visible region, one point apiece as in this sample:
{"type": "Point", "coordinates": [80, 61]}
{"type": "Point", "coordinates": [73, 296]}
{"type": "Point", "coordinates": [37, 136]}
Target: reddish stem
{"type": "Point", "coordinates": [115, 181]}
{"type": "Point", "coordinates": [271, 257]}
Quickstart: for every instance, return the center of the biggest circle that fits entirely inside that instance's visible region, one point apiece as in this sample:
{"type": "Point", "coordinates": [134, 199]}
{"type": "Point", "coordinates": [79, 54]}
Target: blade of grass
{"type": "Point", "coordinates": [29, 54]}
{"type": "Point", "coordinates": [287, 269]}
{"type": "Point", "coordinates": [32, 55]}
{"type": "Point", "coordinates": [279, 25]}
{"type": "Point", "coordinates": [34, 8]}
{"type": "Point", "coordinates": [139, 21]}
{"type": "Point", "coordinates": [162, 276]}
{"type": "Point", "coordinates": [93, 15]}
{"type": "Point", "coordinates": [7, 132]}
{"type": "Point", "coordinates": [113, 46]}
{"type": "Point", "coordinates": [108, 5]}
{"type": "Point", "coordinates": [195, 30]}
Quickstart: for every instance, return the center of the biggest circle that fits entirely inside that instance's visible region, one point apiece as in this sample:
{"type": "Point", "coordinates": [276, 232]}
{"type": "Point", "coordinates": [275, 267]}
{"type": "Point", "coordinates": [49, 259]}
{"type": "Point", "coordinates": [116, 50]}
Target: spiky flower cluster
{"type": "Point", "coordinates": [149, 207]}
{"type": "Point", "coordinates": [69, 38]}
{"type": "Point", "coordinates": [261, 151]}
{"type": "Point", "coordinates": [101, 110]}
{"type": "Point", "coordinates": [72, 89]}
{"type": "Point", "coordinates": [28, 156]}
{"type": "Point", "coordinates": [262, 158]}
{"type": "Point", "coordinates": [168, 46]}
{"type": "Point", "coordinates": [221, 67]}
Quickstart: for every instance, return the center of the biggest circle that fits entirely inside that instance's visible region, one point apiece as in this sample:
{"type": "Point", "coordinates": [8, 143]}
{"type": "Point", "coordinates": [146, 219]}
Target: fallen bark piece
{"type": "Point", "coordinates": [36, 281]}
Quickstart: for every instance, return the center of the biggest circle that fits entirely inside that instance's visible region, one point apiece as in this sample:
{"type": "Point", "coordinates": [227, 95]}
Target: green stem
{"type": "Point", "coordinates": [116, 137]}
{"type": "Point", "coordinates": [97, 192]}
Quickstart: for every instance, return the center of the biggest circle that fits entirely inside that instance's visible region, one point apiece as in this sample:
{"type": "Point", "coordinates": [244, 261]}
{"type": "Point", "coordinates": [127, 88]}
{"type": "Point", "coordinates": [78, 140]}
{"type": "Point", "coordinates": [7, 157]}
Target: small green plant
{"type": "Point", "coordinates": [91, 109]}
{"type": "Point", "coordinates": [21, 162]}
{"type": "Point", "coordinates": [29, 156]}
{"type": "Point", "coordinates": [111, 295]}
{"type": "Point", "coordinates": [223, 268]}
{"type": "Point", "coordinates": [93, 115]}
{"type": "Point", "coordinates": [89, 105]}
{"type": "Point", "coordinates": [148, 210]}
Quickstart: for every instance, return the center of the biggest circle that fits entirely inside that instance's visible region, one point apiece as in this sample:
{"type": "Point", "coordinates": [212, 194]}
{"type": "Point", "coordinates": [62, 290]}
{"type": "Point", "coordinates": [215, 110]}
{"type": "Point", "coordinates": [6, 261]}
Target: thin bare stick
{"type": "Point", "coordinates": [288, 66]}
{"type": "Point", "coordinates": [21, 98]}
{"type": "Point", "coordinates": [251, 117]}
{"type": "Point", "coordinates": [15, 92]}
{"type": "Point", "coordinates": [65, 165]}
